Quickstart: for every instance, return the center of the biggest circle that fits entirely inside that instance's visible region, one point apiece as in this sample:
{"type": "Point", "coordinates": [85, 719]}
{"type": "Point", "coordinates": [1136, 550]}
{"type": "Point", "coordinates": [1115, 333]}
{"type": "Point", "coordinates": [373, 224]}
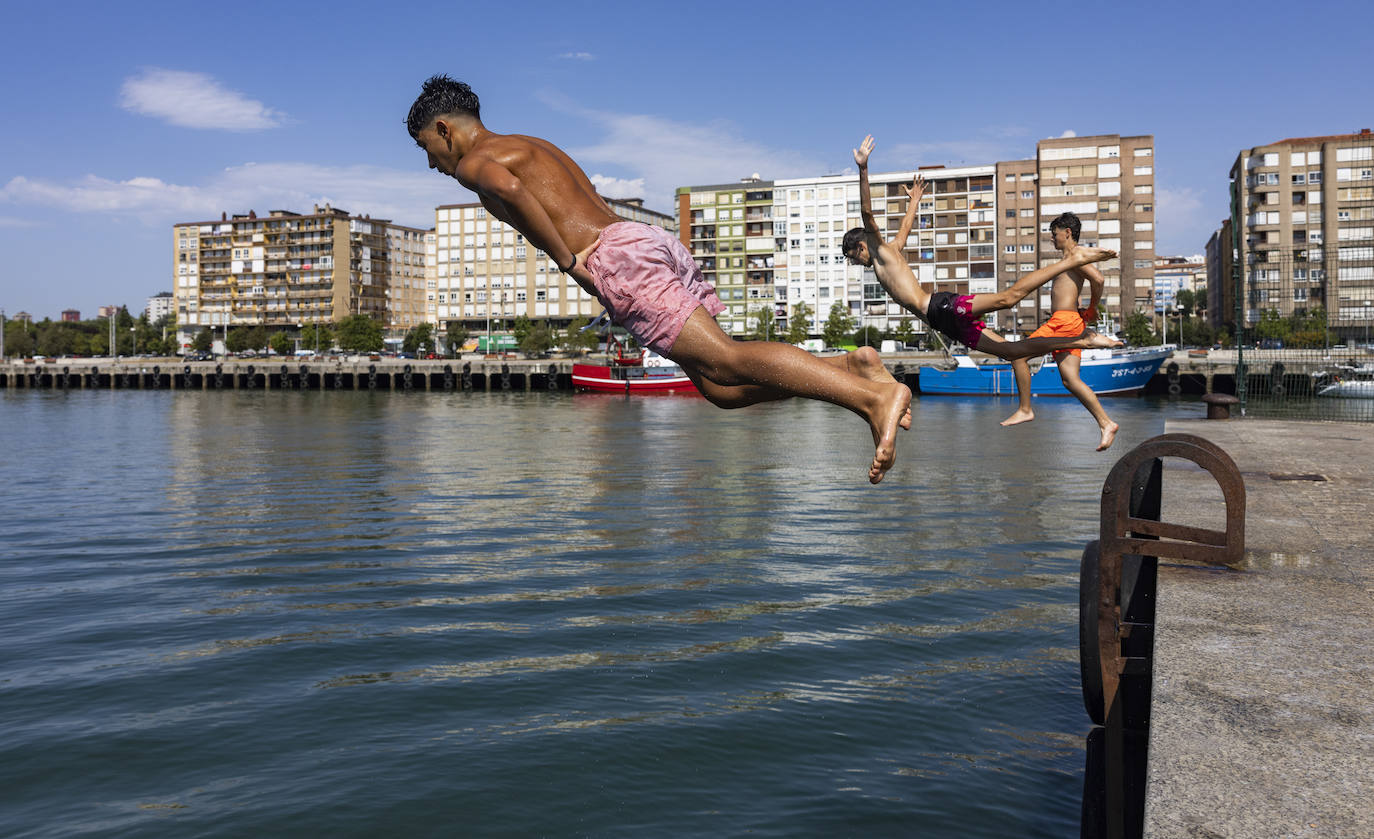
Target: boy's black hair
{"type": "Point", "coordinates": [851, 241]}
{"type": "Point", "coordinates": [1069, 222]}
{"type": "Point", "coordinates": [441, 95]}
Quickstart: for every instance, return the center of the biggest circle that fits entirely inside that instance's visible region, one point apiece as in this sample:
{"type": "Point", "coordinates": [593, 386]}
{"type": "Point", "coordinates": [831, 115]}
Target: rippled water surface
{"type": "Point", "coordinates": [353, 614]}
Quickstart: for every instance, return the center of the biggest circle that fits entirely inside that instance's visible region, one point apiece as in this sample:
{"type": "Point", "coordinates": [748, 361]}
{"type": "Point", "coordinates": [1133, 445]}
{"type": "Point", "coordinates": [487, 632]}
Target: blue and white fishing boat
{"type": "Point", "coordinates": [1119, 371]}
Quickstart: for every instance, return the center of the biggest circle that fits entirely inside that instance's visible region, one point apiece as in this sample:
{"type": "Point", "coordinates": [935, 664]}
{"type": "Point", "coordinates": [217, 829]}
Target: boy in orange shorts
{"type": "Point", "coordinates": [1067, 321]}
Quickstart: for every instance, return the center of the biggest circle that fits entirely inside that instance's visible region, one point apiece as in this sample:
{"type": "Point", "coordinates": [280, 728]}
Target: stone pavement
{"type": "Point", "coordinates": [1262, 718]}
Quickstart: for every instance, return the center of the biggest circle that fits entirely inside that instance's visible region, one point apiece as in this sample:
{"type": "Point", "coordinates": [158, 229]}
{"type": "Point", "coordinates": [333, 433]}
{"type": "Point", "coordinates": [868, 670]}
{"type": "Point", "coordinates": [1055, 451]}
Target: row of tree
{"type": "Point", "coordinates": [133, 336]}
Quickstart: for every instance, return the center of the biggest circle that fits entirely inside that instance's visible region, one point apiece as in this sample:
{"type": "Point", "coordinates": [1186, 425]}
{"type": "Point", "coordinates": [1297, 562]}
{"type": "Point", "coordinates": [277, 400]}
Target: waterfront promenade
{"type": "Point", "coordinates": [1262, 720]}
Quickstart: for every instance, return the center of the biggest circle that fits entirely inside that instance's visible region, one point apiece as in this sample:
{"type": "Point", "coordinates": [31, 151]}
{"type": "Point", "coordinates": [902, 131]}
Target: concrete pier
{"type": "Point", "coordinates": [1262, 711]}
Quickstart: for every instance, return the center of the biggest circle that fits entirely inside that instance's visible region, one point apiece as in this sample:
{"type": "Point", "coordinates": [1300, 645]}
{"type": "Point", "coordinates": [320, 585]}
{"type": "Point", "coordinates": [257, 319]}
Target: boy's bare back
{"type": "Point", "coordinates": [549, 175]}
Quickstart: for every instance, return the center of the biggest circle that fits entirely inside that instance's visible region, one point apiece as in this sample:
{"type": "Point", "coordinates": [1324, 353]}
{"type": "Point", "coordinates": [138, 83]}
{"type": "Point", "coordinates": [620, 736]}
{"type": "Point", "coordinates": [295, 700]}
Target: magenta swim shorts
{"type": "Point", "coordinates": [649, 283]}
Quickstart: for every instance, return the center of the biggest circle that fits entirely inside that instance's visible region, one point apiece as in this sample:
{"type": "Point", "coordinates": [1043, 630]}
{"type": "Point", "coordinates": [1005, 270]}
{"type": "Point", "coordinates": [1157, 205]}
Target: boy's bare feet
{"type": "Point", "coordinates": [1098, 341]}
{"type": "Point", "coordinates": [896, 400]}
{"type": "Point", "coordinates": [1108, 435]}
{"type": "Point", "coordinates": [1083, 255]}
{"type": "Point", "coordinates": [1019, 417]}
{"type": "Point", "coordinates": [866, 362]}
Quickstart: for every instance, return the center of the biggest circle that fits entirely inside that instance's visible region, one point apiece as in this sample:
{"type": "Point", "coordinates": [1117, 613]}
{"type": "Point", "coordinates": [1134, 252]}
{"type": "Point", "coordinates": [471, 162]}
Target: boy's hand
{"type": "Point", "coordinates": [1089, 314]}
{"type": "Point", "coordinates": [580, 272]}
{"type": "Point", "coordinates": [863, 151]}
{"type": "Point", "coordinates": [917, 188]}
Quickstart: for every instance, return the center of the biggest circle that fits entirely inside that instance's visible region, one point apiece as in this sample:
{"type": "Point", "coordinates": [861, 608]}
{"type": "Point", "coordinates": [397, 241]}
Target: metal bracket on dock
{"type": "Point", "coordinates": [1116, 614]}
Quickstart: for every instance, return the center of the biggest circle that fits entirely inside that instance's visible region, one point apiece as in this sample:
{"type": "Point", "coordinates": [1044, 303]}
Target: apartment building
{"type": "Point", "coordinates": [1107, 180]}
{"type": "Point", "coordinates": [1302, 211]}
{"type": "Point", "coordinates": [730, 230]}
{"type": "Point", "coordinates": [1221, 287]}
{"type": "Point", "coordinates": [288, 269]}
{"type": "Point", "coordinates": [407, 293]}
{"type": "Point", "coordinates": [1174, 274]}
{"type": "Point", "coordinates": [978, 229]}
{"type": "Point", "coordinates": [484, 268]}
{"type": "Point", "coordinates": [160, 305]}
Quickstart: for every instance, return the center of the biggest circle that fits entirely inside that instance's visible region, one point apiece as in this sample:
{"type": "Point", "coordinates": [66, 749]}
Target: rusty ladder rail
{"type": "Point", "coordinates": [1116, 614]}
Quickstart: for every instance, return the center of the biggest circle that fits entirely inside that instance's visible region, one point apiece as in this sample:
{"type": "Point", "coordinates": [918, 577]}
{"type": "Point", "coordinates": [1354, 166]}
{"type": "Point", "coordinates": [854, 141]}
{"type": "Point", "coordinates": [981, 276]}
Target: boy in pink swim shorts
{"type": "Point", "coordinates": [648, 283]}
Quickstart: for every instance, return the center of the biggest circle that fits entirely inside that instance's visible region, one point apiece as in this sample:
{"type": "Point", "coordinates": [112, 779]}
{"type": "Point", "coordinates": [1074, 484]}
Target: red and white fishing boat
{"type": "Point", "coordinates": [629, 370]}
{"type": "Point", "coordinates": [645, 373]}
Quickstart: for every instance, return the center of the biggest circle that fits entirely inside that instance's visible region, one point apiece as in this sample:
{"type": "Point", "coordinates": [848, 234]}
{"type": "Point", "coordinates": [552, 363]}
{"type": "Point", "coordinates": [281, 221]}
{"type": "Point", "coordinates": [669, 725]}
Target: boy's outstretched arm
{"type": "Point", "coordinates": [914, 193]}
{"type": "Point", "coordinates": [865, 194]}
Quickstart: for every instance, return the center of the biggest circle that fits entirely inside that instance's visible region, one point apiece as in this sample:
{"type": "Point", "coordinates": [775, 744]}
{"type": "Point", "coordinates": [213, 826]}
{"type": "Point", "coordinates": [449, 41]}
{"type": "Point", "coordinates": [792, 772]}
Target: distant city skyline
{"type": "Point", "coordinates": [121, 121]}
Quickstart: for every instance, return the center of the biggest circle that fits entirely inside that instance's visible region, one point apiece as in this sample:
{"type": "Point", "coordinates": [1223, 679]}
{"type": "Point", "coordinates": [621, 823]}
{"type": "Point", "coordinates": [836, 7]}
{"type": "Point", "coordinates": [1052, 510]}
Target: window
{"type": "Point", "coordinates": [1028, 193]}
{"type": "Point", "coordinates": [1146, 152]}
{"type": "Point", "coordinates": [1144, 170]}
{"type": "Point", "coordinates": [1314, 177]}
{"type": "Point", "coordinates": [1299, 179]}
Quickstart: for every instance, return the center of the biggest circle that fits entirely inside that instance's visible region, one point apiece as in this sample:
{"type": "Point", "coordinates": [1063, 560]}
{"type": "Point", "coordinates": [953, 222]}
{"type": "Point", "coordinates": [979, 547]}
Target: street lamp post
{"type": "Point", "coordinates": [1178, 307]}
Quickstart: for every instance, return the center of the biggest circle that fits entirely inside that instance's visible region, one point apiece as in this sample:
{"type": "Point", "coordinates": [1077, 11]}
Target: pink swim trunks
{"type": "Point", "coordinates": [649, 283]}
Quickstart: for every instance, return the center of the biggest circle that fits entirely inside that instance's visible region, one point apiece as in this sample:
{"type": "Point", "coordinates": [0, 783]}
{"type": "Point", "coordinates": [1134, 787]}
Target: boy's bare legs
{"type": "Point", "coordinates": [863, 362]}
{"type": "Point", "coordinates": [707, 353]}
{"type": "Point", "coordinates": [1020, 368]}
{"type": "Point", "coordinates": [1069, 372]}
{"type": "Point", "coordinates": [993, 344]}
{"type": "Point", "coordinates": [1005, 299]}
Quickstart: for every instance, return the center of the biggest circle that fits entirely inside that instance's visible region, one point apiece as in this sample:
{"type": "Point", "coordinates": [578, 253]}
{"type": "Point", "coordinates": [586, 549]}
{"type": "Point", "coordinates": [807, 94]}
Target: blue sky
{"type": "Point", "coordinates": [121, 119]}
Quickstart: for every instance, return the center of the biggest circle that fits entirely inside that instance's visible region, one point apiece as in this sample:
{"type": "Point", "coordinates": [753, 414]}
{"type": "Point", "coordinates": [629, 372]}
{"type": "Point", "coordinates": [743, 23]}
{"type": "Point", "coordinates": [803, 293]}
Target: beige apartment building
{"type": "Point", "coordinates": [1107, 180]}
{"type": "Point", "coordinates": [288, 269]}
{"type": "Point", "coordinates": [1302, 221]}
{"type": "Point", "coordinates": [407, 294]}
{"type": "Point", "coordinates": [483, 268]}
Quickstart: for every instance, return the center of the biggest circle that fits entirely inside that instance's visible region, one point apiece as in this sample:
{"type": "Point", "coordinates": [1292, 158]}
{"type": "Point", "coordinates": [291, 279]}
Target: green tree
{"type": "Point", "coordinates": [1272, 327]}
{"type": "Point", "coordinates": [1186, 300]}
{"type": "Point", "coordinates": [360, 333]}
{"type": "Point", "coordinates": [838, 326]}
{"type": "Point", "coordinates": [537, 340]}
{"type": "Point", "coordinates": [18, 341]}
{"type": "Point", "coordinates": [419, 339]}
{"type": "Point", "coordinates": [575, 340]}
{"type": "Point", "coordinates": [317, 336]}
{"type": "Point", "coordinates": [521, 327]}
{"type": "Point", "coordinates": [203, 341]}
{"type": "Point", "coordinates": [1139, 332]}
{"type": "Point", "coordinates": [763, 318]}
{"type": "Point", "coordinates": [905, 333]}
{"type": "Point", "coordinates": [868, 336]}
{"type": "Point", "coordinates": [237, 339]}
{"type": "Point", "coordinates": [799, 325]}
{"type": "Point", "coordinates": [282, 343]}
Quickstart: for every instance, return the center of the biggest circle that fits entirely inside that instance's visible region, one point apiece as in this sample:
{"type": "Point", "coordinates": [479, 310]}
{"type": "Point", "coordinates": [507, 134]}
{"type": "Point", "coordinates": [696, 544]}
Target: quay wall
{"type": "Point", "coordinates": [1181, 374]}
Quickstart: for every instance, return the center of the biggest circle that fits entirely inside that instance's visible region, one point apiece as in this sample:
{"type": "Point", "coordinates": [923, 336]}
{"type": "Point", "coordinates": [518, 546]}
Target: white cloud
{"type": "Point", "coordinates": [618, 187]}
{"type": "Point", "coordinates": [194, 100]}
{"type": "Point", "coordinates": [1182, 223]}
{"type": "Point", "coordinates": [11, 221]}
{"type": "Point", "coordinates": [578, 56]}
{"type": "Point", "coordinates": [971, 152]}
{"type": "Point", "coordinates": [661, 154]}
{"type": "Point", "coordinates": [1069, 133]}
{"type": "Point", "coordinates": [406, 197]}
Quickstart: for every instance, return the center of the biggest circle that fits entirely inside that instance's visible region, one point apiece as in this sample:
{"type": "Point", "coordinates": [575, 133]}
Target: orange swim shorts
{"type": "Point", "coordinates": [1063, 324]}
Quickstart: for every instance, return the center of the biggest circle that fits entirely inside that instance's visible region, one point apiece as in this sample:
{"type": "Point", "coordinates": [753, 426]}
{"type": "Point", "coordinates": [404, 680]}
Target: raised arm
{"type": "Point", "coordinates": [865, 195]}
{"type": "Point", "coordinates": [914, 193]}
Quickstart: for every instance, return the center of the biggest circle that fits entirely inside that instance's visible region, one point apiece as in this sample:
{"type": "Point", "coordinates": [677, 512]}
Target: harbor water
{"type": "Point", "coordinates": [447, 614]}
